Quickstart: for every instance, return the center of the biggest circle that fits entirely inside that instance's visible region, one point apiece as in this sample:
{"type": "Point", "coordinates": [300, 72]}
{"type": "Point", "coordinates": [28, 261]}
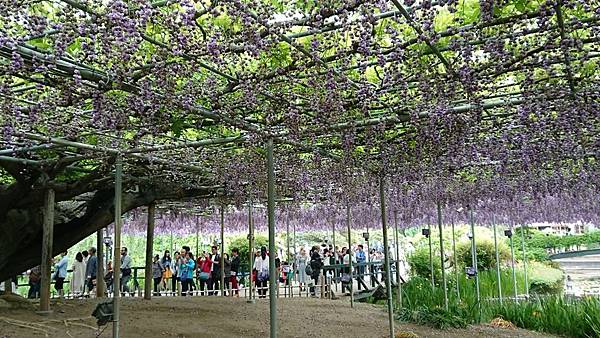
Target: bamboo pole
{"type": "Point", "coordinates": [47, 241]}
{"type": "Point", "coordinates": [444, 284]}
{"type": "Point", "coordinates": [524, 261]}
{"type": "Point", "coordinates": [499, 279]}
{"type": "Point", "coordinates": [271, 221]}
{"type": "Point", "coordinates": [431, 270]}
{"type": "Point", "coordinates": [474, 257]}
{"type": "Point", "coordinates": [512, 263]}
{"type": "Point", "coordinates": [148, 280]}
{"type": "Point", "coordinates": [456, 274]}
{"type": "Point", "coordinates": [348, 221]}
{"type": "Point", "coordinates": [222, 260]}
{"type": "Point", "coordinates": [398, 277]}
{"type": "Point", "coordinates": [250, 252]}
{"type": "Point", "coordinates": [100, 285]}
{"type": "Point", "coordinates": [388, 275]}
{"type": "Point", "coordinates": [117, 246]}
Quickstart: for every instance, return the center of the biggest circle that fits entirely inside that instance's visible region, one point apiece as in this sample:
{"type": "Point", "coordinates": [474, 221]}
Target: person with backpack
{"type": "Point", "coordinates": [316, 263]}
{"type": "Point", "coordinates": [261, 266]}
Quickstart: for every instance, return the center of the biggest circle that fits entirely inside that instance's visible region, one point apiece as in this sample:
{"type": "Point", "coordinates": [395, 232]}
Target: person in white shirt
{"type": "Point", "coordinates": [261, 265]}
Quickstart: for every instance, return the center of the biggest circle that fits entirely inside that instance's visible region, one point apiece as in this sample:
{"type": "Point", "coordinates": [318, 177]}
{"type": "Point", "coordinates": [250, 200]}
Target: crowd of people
{"type": "Point", "coordinates": [186, 273]}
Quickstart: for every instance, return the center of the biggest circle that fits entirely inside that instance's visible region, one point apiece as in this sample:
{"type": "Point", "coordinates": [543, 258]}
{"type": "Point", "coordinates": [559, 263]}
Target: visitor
{"type": "Point", "coordinates": [204, 268]}
{"type": "Point", "coordinates": [301, 261]}
{"type": "Point", "coordinates": [261, 266]}
{"type": "Point", "coordinates": [346, 271]}
{"type": "Point", "coordinates": [34, 282]}
{"type": "Point", "coordinates": [60, 274]}
{"type": "Point", "coordinates": [91, 269]}
{"type": "Point", "coordinates": [176, 272]}
{"type": "Point", "coordinates": [157, 273]}
{"type": "Point", "coordinates": [187, 274]}
{"type": "Point", "coordinates": [86, 256]}
{"type": "Point", "coordinates": [215, 275]}
{"type": "Point", "coordinates": [227, 274]}
{"type": "Point", "coordinates": [125, 271]}
{"type": "Point", "coordinates": [374, 268]}
{"type": "Point", "coordinates": [78, 279]}
{"type": "Point", "coordinates": [361, 258]}
{"type": "Point", "coordinates": [165, 261]}
{"type": "Point", "coordinates": [316, 263]}
{"type": "Point", "coordinates": [192, 283]}
{"type": "Point", "coordinates": [235, 267]}
{"type": "Point", "coordinates": [109, 277]}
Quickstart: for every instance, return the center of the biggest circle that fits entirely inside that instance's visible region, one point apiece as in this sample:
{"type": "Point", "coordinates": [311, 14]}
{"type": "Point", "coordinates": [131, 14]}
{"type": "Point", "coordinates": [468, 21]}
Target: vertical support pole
{"type": "Point", "coordinates": [512, 263]}
{"type": "Point", "coordinates": [148, 280]}
{"type": "Point", "coordinates": [117, 245]}
{"type": "Point", "coordinates": [456, 274]}
{"type": "Point", "coordinates": [172, 247]}
{"type": "Point", "coordinates": [197, 239]}
{"type": "Point", "coordinates": [444, 285]}
{"type": "Point", "coordinates": [431, 270]}
{"type": "Point", "coordinates": [474, 256]}
{"type": "Point", "coordinates": [100, 285]}
{"type": "Point", "coordinates": [398, 277]}
{"type": "Point", "coordinates": [388, 274]}
{"type": "Point", "coordinates": [47, 241]}
{"type": "Point", "coordinates": [222, 260]}
{"type": "Point", "coordinates": [250, 252]}
{"type": "Point", "coordinates": [524, 261]}
{"type": "Point", "coordinates": [335, 271]}
{"type": "Point", "coordinates": [368, 270]}
{"type": "Point", "coordinates": [271, 221]}
{"type": "Point", "coordinates": [498, 277]}
{"type": "Point", "coordinates": [287, 239]}
{"type": "Point", "coordinates": [351, 268]}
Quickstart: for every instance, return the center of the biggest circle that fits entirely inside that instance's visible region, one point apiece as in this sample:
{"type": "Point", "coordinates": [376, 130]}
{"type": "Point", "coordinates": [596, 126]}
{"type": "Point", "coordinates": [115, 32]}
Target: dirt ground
{"type": "Point", "coordinates": [186, 317]}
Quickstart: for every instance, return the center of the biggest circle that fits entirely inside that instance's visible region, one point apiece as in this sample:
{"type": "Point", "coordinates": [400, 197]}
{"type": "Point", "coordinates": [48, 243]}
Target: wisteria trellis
{"type": "Point", "coordinates": [490, 103]}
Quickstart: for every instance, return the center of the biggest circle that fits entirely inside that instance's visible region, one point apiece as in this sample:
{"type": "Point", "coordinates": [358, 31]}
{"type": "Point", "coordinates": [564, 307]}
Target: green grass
{"type": "Point", "coordinates": [551, 313]}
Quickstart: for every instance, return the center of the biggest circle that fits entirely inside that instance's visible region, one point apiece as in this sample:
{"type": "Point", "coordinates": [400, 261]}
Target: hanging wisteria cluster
{"type": "Point", "coordinates": [491, 105]}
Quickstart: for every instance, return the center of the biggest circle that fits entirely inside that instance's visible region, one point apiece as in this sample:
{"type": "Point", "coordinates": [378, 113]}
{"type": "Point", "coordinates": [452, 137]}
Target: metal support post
{"type": "Point", "coordinates": [474, 256]}
{"type": "Point", "coordinates": [444, 285]}
{"type": "Point", "coordinates": [386, 249]}
{"type": "Point", "coordinates": [498, 277]}
{"type": "Point", "coordinates": [222, 260]}
{"type": "Point", "coordinates": [524, 261]}
{"type": "Point", "coordinates": [456, 274]}
{"type": "Point", "coordinates": [148, 280]}
{"type": "Point", "coordinates": [351, 268]}
{"type": "Point", "coordinates": [117, 246]}
{"type": "Point", "coordinates": [271, 221]}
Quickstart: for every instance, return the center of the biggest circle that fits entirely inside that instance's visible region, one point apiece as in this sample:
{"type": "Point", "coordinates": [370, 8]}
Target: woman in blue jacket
{"type": "Point", "coordinates": [187, 273]}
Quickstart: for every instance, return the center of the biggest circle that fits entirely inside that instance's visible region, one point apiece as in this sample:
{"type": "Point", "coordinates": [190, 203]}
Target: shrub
{"type": "Point", "coordinates": [420, 266]}
{"type": "Point", "coordinates": [241, 243]}
{"type": "Point", "coordinates": [545, 279]}
{"type": "Point", "coordinates": [486, 254]}
{"type": "Point", "coordinates": [436, 317]}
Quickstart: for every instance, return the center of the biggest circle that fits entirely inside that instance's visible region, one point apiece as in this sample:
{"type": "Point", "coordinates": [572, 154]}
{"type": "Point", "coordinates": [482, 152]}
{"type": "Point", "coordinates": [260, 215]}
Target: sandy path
{"type": "Point", "coordinates": [232, 317]}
